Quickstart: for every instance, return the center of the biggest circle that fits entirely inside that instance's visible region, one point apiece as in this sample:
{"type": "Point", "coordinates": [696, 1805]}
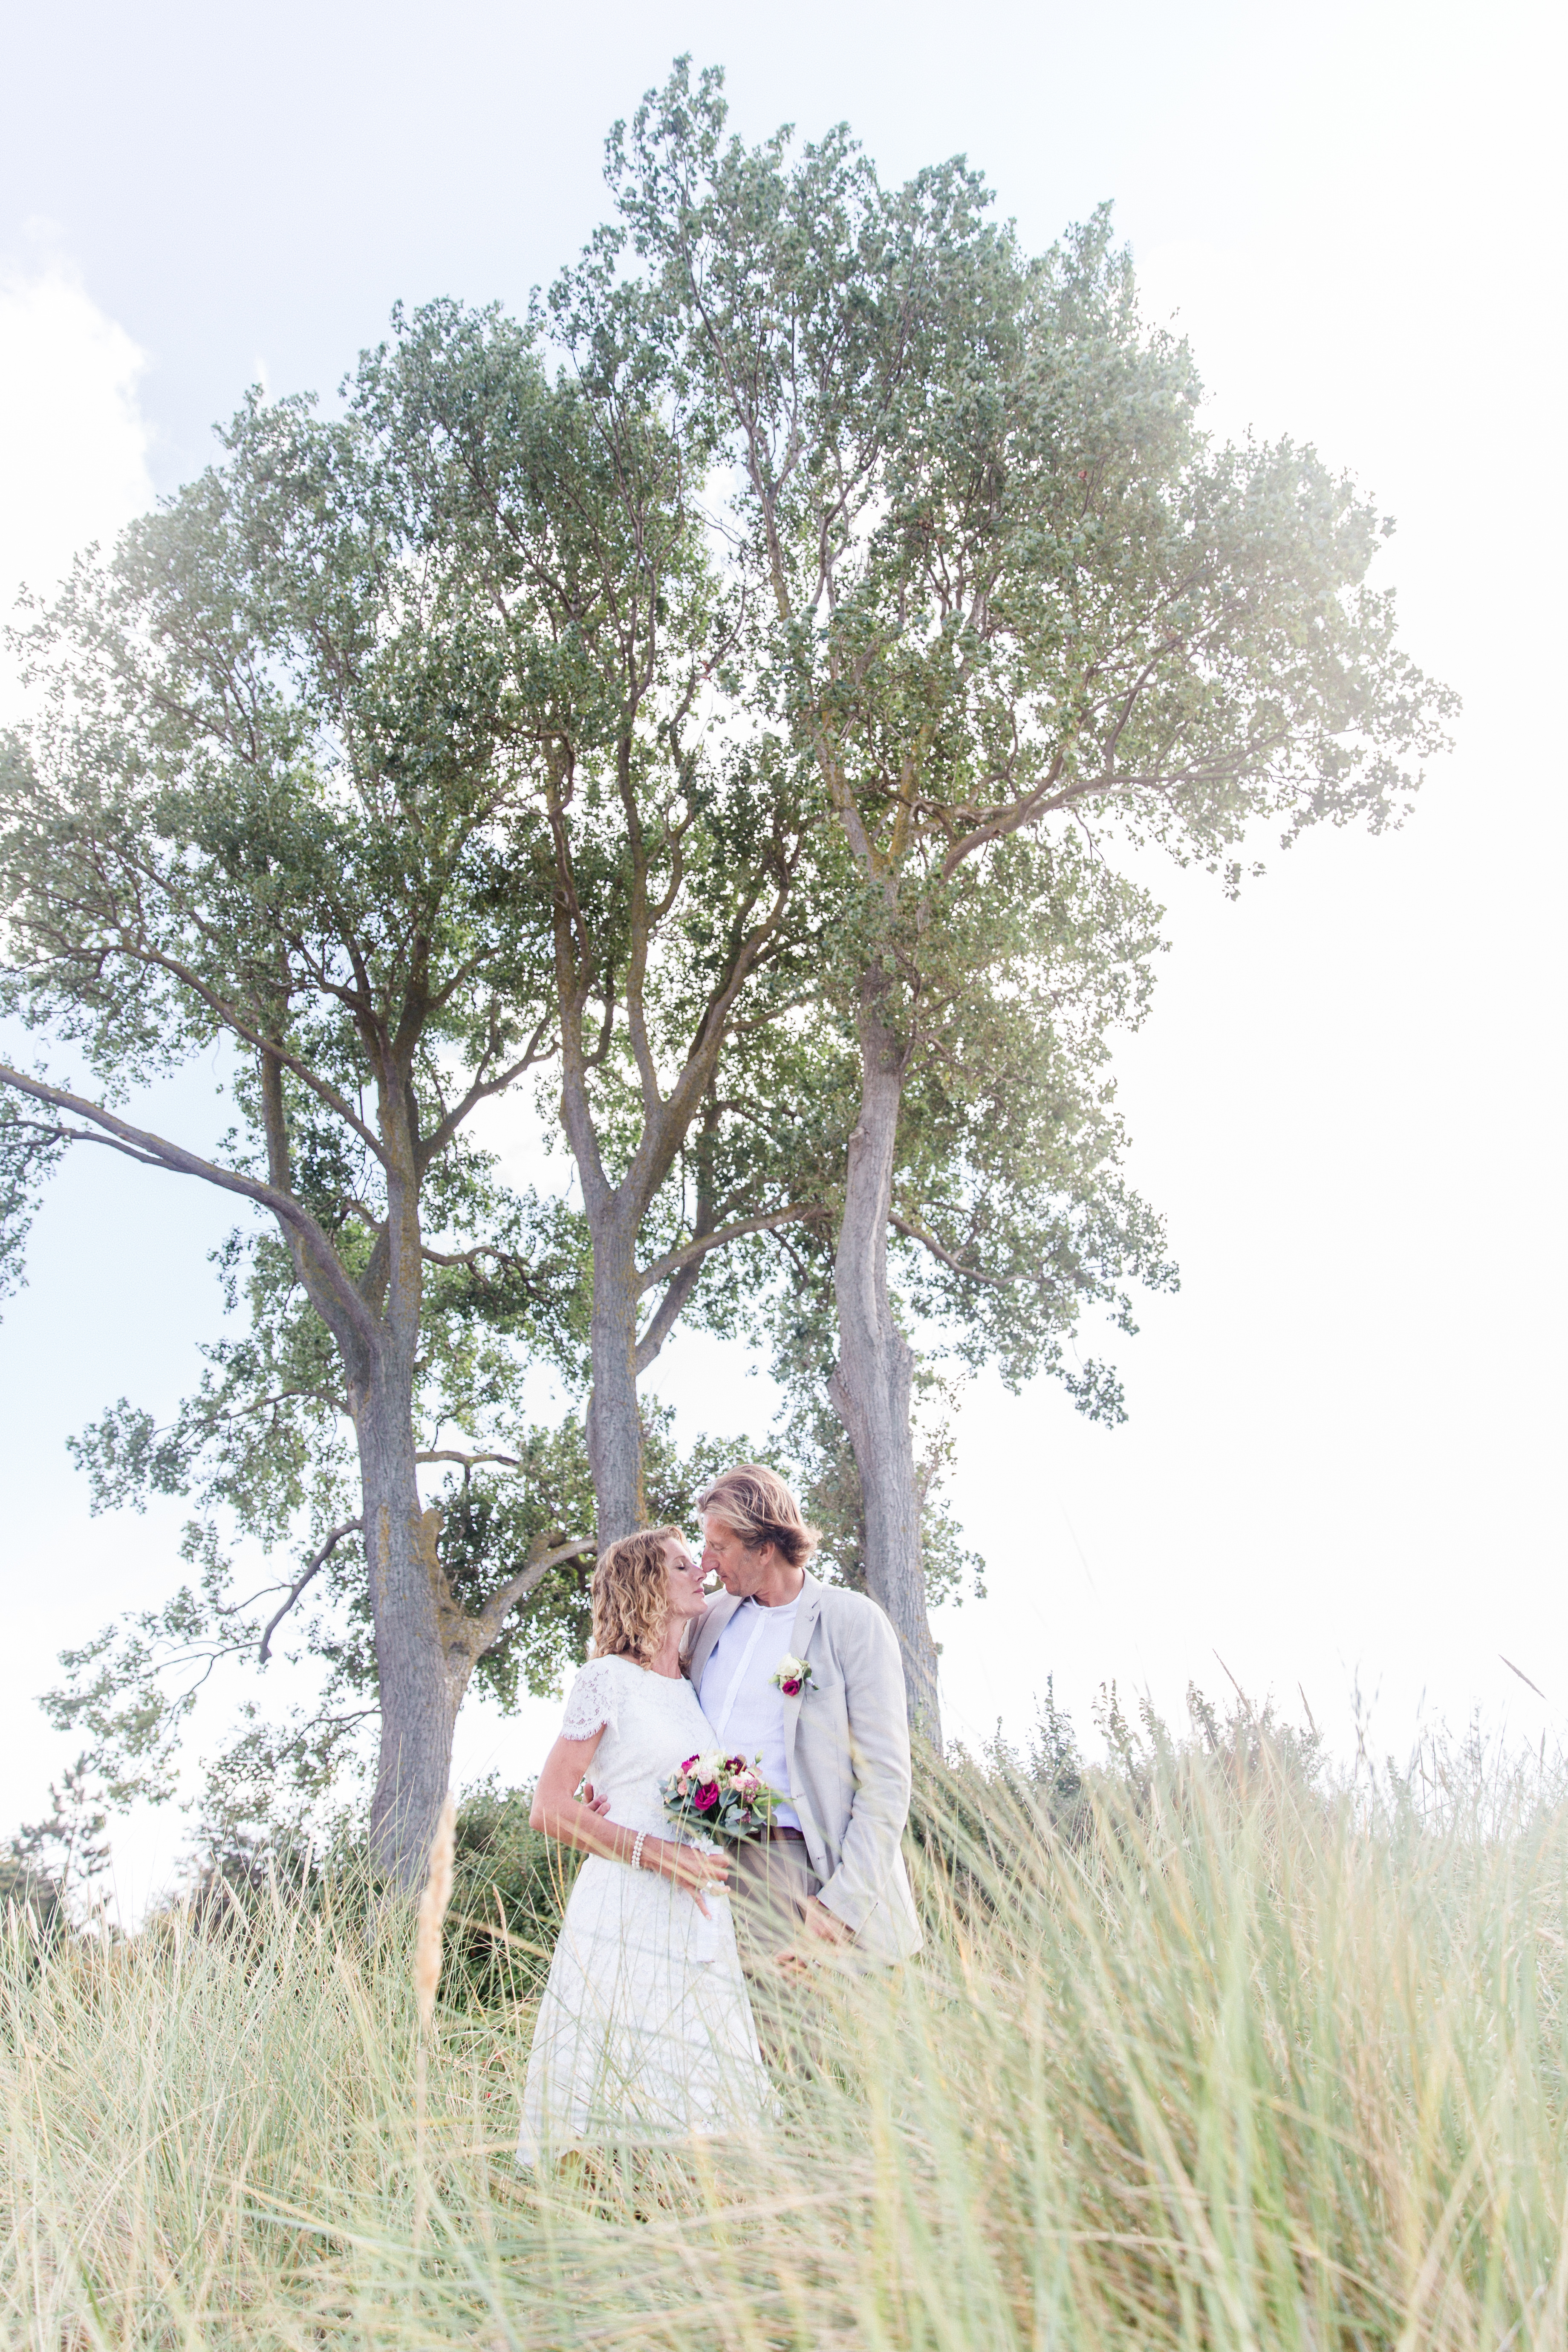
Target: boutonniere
{"type": "Point", "coordinates": [794, 1677]}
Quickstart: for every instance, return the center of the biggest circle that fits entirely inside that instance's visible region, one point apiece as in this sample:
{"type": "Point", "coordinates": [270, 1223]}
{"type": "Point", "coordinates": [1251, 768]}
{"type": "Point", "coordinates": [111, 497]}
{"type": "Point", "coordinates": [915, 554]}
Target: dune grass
{"type": "Point", "coordinates": [1198, 2054]}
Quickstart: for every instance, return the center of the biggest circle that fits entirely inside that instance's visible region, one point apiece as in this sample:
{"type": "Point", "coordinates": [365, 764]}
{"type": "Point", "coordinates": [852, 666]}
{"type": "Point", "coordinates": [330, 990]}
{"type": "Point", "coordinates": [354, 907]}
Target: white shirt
{"type": "Point", "coordinates": [740, 1699]}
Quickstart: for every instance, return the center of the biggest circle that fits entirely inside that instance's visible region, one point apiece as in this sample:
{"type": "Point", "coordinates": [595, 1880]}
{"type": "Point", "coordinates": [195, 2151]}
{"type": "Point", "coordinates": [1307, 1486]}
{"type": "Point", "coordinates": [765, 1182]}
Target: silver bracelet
{"type": "Point", "coordinates": [641, 1840]}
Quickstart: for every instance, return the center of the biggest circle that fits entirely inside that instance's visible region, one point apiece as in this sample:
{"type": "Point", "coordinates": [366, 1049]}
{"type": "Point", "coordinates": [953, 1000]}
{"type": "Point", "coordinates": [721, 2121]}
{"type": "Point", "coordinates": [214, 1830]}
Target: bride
{"type": "Point", "coordinates": [645, 2031]}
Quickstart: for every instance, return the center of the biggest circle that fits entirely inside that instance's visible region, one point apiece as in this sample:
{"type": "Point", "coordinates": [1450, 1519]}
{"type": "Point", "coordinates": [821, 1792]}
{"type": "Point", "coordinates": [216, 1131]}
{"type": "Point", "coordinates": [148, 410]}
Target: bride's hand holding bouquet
{"type": "Point", "coordinates": [695, 1867]}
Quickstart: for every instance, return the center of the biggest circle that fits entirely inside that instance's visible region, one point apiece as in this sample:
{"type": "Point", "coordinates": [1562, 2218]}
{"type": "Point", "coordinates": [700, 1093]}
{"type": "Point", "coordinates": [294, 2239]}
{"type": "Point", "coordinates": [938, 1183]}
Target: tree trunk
{"type": "Point", "coordinates": [872, 1383]}
{"type": "Point", "coordinates": [615, 1430]}
{"type": "Point", "coordinates": [420, 1688]}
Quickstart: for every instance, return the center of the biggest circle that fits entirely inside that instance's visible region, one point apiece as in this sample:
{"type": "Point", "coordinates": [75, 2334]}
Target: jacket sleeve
{"type": "Point", "coordinates": [879, 1761]}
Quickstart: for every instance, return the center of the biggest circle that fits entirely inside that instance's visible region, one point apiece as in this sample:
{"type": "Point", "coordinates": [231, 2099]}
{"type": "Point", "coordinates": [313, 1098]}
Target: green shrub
{"type": "Point", "coordinates": [510, 1888]}
{"type": "Point", "coordinates": [31, 1911]}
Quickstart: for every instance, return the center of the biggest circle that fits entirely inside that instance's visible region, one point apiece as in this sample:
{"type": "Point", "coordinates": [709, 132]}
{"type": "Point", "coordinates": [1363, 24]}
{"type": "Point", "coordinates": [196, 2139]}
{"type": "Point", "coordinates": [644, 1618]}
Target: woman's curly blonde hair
{"type": "Point", "coordinates": [631, 1595]}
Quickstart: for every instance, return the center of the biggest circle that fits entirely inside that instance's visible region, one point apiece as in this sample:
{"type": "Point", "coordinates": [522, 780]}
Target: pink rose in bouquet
{"type": "Point", "coordinates": [720, 1795]}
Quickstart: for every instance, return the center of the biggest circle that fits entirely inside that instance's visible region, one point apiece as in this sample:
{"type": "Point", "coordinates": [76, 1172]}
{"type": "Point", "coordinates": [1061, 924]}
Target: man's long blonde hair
{"type": "Point", "coordinates": [631, 1595]}
{"type": "Point", "coordinates": [759, 1508]}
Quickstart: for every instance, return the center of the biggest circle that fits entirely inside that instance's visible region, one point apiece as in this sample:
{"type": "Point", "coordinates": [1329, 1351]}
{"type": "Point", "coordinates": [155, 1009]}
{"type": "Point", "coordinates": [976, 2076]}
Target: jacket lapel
{"type": "Point", "coordinates": [719, 1614]}
{"type": "Point", "coordinates": [805, 1618]}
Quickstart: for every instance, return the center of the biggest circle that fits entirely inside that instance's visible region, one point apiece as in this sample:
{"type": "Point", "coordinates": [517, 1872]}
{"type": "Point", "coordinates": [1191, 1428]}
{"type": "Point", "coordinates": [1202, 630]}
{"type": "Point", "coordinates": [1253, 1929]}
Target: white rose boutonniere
{"type": "Point", "coordinates": [793, 1677]}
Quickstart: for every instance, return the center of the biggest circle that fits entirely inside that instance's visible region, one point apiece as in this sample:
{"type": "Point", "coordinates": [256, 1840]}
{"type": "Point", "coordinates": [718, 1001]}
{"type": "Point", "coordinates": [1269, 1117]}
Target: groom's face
{"type": "Point", "coordinates": [740, 1572]}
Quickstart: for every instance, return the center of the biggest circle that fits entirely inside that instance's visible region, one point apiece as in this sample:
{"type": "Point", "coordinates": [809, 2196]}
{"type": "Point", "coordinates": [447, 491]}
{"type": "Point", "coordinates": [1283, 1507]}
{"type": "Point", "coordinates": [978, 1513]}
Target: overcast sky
{"type": "Point", "coordinates": [1344, 1461]}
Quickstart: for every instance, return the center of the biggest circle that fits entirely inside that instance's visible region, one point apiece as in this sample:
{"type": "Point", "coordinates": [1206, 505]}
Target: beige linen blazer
{"type": "Point", "coordinates": [846, 1738]}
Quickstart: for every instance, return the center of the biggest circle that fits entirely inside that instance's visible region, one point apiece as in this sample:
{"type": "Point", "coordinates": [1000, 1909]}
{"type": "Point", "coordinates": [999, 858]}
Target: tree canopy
{"type": "Point", "coordinates": [273, 800]}
{"type": "Point", "coordinates": [726, 707]}
{"type": "Point", "coordinates": [1003, 585]}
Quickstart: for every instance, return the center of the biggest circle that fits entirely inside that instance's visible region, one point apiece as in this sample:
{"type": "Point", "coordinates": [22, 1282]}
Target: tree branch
{"type": "Point", "coordinates": [488, 1624]}
{"type": "Point", "coordinates": [507, 1260]}
{"type": "Point", "coordinates": [468, 1461]}
{"type": "Point", "coordinates": [480, 1091]}
{"type": "Point", "coordinates": [232, 1018]}
{"type": "Point", "coordinates": [663, 1322]}
{"type": "Point", "coordinates": [928, 1239]}
{"type": "Point", "coordinates": [264, 1404]}
{"type": "Point", "coordinates": [672, 1262]}
{"type": "Point", "coordinates": [317, 1560]}
{"type": "Point", "coordinates": [140, 1143]}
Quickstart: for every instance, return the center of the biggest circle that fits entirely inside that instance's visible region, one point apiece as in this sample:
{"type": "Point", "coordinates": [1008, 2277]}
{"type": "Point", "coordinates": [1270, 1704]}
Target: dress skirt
{"type": "Point", "coordinates": [644, 2034]}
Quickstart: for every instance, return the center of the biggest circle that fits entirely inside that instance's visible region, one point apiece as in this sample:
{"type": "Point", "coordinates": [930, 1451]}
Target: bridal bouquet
{"type": "Point", "coordinates": [715, 1795]}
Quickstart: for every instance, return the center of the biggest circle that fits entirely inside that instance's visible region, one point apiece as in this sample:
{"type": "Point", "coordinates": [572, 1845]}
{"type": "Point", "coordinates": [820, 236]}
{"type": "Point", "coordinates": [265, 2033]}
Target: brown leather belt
{"type": "Point", "coordinates": [781, 1830]}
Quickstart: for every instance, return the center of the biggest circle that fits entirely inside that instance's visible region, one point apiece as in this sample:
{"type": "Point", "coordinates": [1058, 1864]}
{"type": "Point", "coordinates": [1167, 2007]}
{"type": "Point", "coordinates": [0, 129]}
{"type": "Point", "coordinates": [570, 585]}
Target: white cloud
{"type": "Point", "coordinates": [73, 439]}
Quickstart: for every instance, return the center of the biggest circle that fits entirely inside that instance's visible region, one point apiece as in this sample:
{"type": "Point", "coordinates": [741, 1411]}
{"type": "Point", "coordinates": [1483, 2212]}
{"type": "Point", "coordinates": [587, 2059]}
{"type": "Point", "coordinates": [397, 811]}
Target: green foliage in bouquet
{"type": "Point", "coordinates": [715, 1795]}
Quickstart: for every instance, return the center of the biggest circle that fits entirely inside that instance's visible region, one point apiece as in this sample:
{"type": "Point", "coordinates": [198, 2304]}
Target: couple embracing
{"type": "Point", "coordinates": [645, 2031]}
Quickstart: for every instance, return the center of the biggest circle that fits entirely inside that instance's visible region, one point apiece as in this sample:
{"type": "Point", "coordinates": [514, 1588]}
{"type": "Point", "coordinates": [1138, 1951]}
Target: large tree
{"type": "Point", "coordinates": [1010, 587]}
{"type": "Point", "coordinates": [673, 841]}
{"type": "Point", "coordinates": [524, 561]}
{"type": "Point", "coordinates": [274, 799]}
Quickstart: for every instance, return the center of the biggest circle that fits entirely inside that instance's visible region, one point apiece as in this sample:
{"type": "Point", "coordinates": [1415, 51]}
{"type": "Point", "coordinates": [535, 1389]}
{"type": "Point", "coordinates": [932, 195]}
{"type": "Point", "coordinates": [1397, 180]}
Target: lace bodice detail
{"type": "Point", "coordinates": [650, 1722]}
{"type": "Point", "coordinates": [591, 1702]}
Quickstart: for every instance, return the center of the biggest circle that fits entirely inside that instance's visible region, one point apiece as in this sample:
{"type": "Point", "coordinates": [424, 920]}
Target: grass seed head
{"type": "Point", "coordinates": [432, 1912]}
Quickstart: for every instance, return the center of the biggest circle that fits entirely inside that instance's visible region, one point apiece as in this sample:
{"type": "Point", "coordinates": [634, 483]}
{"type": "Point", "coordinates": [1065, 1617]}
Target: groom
{"type": "Point", "coordinates": [833, 1738]}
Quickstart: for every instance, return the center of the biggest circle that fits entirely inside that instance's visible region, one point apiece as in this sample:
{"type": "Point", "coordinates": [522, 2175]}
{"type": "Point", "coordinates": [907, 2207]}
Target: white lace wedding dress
{"type": "Point", "coordinates": [644, 2029]}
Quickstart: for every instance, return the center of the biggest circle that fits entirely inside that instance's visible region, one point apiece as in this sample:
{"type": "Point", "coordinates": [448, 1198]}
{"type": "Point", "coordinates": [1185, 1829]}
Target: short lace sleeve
{"type": "Point", "coordinates": [591, 1701]}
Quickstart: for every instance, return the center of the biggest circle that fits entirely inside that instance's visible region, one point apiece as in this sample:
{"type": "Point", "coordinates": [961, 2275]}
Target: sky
{"type": "Point", "coordinates": [1341, 1481]}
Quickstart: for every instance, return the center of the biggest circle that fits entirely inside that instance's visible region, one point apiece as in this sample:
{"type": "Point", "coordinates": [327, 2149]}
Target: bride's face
{"type": "Point", "coordinates": [687, 1598]}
